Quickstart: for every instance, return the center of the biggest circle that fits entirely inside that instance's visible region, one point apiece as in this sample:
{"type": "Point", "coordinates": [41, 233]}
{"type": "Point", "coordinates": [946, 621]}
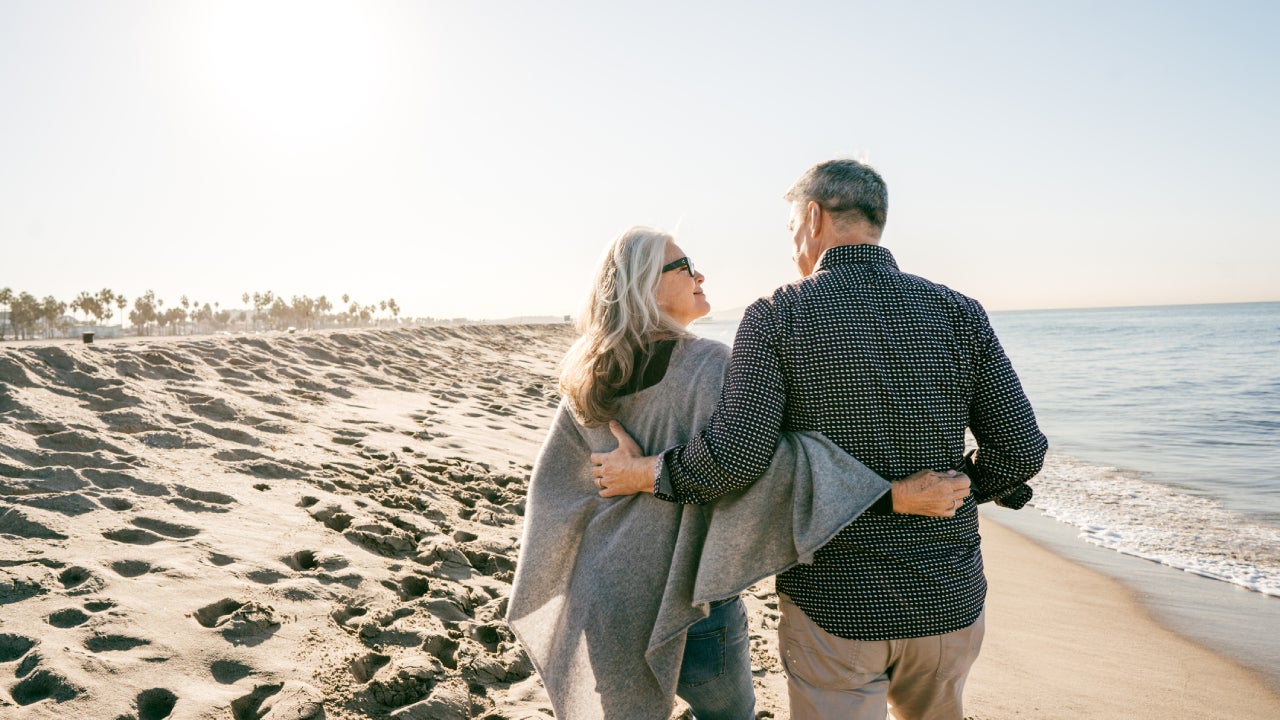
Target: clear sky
{"type": "Point", "coordinates": [474, 158]}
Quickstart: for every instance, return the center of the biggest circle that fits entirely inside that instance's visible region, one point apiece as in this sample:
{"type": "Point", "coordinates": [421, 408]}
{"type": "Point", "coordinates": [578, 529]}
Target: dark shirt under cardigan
{"type": "Point", "coordinates": [892, 368]}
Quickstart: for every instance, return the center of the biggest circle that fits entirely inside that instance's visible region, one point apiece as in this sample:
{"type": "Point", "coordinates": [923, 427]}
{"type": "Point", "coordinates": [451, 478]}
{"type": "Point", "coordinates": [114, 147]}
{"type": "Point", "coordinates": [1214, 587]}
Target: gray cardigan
{"type": "Point", "coordinates": [605, 588]}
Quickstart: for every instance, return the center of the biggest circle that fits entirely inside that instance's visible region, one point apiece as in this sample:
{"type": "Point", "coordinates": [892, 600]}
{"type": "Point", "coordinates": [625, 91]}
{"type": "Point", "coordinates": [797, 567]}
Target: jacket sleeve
{"type": "Point", "coordinates": [737, 444]}
{"type": "Point", "coordinates": [1011, 447]}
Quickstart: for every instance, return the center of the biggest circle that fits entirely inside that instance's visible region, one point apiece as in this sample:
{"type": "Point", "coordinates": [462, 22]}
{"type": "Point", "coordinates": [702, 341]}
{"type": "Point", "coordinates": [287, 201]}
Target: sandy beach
{"type": "Point", "coordinates": [324, 525]}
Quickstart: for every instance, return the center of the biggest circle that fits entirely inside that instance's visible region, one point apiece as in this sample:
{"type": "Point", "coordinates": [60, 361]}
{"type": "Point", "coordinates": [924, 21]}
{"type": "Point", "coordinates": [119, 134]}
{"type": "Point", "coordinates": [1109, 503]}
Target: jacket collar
{"type": "Point", "coordinates": [850, 254]}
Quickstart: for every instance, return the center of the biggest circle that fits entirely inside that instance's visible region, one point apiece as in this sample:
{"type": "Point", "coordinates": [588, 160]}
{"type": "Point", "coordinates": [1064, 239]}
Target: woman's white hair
{"type": "Point", "coordinates": [620, 315]}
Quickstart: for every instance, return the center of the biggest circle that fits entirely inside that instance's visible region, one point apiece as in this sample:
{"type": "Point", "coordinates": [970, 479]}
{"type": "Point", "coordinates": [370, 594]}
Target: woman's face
{"type": "Point", "coordinates": [679, 294]}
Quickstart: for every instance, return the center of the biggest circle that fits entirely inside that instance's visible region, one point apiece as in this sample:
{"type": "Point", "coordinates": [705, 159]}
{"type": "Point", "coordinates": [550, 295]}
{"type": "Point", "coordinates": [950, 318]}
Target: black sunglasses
{"type": "Point", "coordinates": [683, 262]}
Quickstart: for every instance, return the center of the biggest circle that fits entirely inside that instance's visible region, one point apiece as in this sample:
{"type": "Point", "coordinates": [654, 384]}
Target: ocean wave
{"type": "Point", "coordinates": [1126, 511]}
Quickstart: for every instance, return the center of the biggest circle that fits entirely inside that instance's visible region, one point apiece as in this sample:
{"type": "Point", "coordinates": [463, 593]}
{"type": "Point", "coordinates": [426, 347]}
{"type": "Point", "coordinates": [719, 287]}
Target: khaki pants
{"type": "Point", "coordinates": [830, 678]}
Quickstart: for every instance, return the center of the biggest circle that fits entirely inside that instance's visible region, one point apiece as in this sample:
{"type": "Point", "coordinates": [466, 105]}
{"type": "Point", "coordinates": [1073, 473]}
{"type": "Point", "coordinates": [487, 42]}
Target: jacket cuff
{"type": "Point", "coordinates": [663, 488]}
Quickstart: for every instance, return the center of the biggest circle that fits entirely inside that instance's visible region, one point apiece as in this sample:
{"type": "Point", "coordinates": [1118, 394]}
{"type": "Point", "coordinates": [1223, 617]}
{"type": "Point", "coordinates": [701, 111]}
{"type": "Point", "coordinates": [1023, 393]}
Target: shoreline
{"type": "Point", "coordinates": [1113, 656]}
{"type": "Point", "coordinates": [1233, 621]}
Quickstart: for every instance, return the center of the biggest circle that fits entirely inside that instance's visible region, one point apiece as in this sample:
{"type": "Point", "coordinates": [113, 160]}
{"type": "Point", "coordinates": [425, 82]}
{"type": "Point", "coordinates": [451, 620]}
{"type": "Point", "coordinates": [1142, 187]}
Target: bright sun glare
{"type": "Point", "coordinates": [300, 75]}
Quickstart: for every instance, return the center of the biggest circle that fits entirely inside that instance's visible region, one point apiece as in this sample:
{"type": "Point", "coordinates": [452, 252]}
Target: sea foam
{"type": "Point", "coordinates": [1127, 511]}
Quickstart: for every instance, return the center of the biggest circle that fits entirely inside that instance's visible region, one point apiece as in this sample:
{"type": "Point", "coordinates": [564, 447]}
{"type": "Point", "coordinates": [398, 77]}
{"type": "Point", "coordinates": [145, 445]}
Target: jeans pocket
{"type": "Point", "coordinates": [703, 657]}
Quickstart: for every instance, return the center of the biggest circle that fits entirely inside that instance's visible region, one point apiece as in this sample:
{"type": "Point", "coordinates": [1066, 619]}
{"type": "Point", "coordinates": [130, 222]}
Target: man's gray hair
{"type": "Point", "coordinates": [844, 188]}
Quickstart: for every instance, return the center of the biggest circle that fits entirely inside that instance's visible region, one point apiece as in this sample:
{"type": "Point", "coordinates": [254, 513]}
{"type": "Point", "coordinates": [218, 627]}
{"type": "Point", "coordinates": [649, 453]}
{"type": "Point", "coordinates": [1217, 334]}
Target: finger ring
{"type": "Point", "coordinates": [598, 483]}
{"type": "Point", "coordinates": [955, 504]}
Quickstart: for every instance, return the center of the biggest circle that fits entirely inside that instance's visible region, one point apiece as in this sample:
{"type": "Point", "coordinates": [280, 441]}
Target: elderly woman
{"type": "Point", "coordinates": [623, 600]}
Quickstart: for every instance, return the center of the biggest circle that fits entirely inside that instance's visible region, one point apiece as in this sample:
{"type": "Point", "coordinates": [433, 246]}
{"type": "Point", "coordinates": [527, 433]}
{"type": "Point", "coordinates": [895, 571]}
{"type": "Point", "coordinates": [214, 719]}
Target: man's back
{"type": "Point", "coordinates": [892, 368]}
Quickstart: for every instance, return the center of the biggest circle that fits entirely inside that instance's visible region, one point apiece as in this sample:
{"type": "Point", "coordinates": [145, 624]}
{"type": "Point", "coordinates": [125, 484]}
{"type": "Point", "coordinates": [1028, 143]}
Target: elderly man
{"type": "Point", "coordinates": [892, 368]}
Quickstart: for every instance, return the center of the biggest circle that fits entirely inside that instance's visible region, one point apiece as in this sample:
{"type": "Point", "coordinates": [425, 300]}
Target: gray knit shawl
{"type": "Point", "coordinates": [605, 588]}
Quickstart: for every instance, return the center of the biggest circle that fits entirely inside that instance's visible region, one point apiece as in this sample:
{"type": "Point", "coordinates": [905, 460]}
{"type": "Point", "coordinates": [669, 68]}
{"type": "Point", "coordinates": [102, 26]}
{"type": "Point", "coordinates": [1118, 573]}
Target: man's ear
{"type": "Point", "coordinates": [813, 216]}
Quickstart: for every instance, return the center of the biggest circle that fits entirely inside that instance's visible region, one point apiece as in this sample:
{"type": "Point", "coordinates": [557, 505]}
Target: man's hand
{"type": "Point", "coordinates": [624, 471]}
{"type": "Point", "coordinates": [931, 493]}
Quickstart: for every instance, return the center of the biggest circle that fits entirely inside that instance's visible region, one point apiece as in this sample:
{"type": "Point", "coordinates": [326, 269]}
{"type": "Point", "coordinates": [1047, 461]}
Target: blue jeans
{"type": "Point", "coordinates": [715, 675]}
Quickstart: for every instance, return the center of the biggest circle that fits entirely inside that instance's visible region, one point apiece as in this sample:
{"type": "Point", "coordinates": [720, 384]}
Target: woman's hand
{"type": "Point", "coordinates": [625, 470]}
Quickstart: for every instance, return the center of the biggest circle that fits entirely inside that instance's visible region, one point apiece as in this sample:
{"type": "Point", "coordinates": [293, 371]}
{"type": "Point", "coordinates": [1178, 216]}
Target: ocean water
{"type": "Point", "coordinates": [1164, 430]}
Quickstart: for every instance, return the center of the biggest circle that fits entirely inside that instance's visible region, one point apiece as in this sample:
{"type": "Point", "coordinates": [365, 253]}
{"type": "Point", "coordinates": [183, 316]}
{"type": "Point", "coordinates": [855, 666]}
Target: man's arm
{"type": "Point", "coordinates": [1011, 447]}
{"type": "Point", "coordinates": [737, 445]}
{"type": "Point", "coordinates": [738, 442]}
{"type": "Point", "coordinates": [926, 492]}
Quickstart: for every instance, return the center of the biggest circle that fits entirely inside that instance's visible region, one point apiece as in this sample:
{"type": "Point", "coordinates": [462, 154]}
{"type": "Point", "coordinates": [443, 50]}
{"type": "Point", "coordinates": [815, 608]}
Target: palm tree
{"type": "Point", "coordinates": [105, 299]}
{"type": "Point", "coordinates": [323, 306]}
{"type": "Point", "coordinates": [121, 304]}
{"type": "Point", "coordinates": [50, 311]}
{"type": "Point", "coordinates": [82, 303]}
{"type": "Point", "coordinates": [6, 299]}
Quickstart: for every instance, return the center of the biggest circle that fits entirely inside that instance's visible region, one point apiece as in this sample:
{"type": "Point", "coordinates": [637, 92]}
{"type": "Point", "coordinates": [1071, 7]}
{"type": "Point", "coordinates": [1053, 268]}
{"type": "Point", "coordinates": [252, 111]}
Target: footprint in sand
{"type": "Point", "coordinates": [131, 568]}
{"type": "Point", "coordinates": [132, 536]}
{"type": "Point", "coordinates": [443, 648]}
{"type": "Point", "coordinates": [113, 643]}
{"type": "Point", "coordinates": [348, 437]}
{"type": "Point", "coordinates": [212, 614]}
{"type": "Point", "coordinates": [194, 506]}
{"type": "Point", "coordinates": [266, 425]}
{"type": "Point", "coordinates": [205, 496]}
{"type": "Point", "coordinates": [490, 636]}
{"type": "Point", "coordinates": [380, 539]}
{"type": "Point", "coordinates": [15, 588]}
{"type": "Point", "coordinates": [487, 563]}
{"type": "Point", "coordinates": [113, 480]}
{"type": "Point", "coordinates": [68, 618]}
{"type": "Point", "coordinates": [237, 455]}
{"type": "Point", "coordinates": [212, 408]}
{"type": "Point", "coordinates": [271, 470]}
{"type": "Point", "coordinates": [333, 517]}
{"type": "Point", "coordinates": [14, 522]}
{"type": "Point", "coordinates": [265, 577]}
{"type": "Point", "coordinates": [129, 422]}
{"type": "Point", "coordinates": [226, 433]}
{"type": "Point", "coordinates": [221, 560]}
{"type": "Point", "coordinates": [13, 647]}
{"type": "Point", "coordinates": [118, 504]}
{"type": "Point", "coordinates": [302, 560]}
{"type": "Point", "coordinates": [229, 672]}
{"type": "Point", "coordinates": [405, 683]}
{"type": "Point", "coordinates": [283, 700]}
{"type": "Point", "coordinates": [79, 581]}
{"type": "Point", "coordinates": [239, 622]}
{"type": "Point", "coordinates": [168, 529]}
{"type": "Point", "coordinates": [409, 587]}
{"type": "Point", "coordinates": [170, 441]}
{"type": "Point", "coordinates": [156, 704]}
{"type": "Point", "coordinates": [366, 666]}
{"type": "Point", "coordinates": [72, 441]}
{"type": "Point", "coordinates": [43, 685]}
{"type": "Point", "coordinates": [344, 616]}
{"type": "Point", "coordinates": [72, 504]}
